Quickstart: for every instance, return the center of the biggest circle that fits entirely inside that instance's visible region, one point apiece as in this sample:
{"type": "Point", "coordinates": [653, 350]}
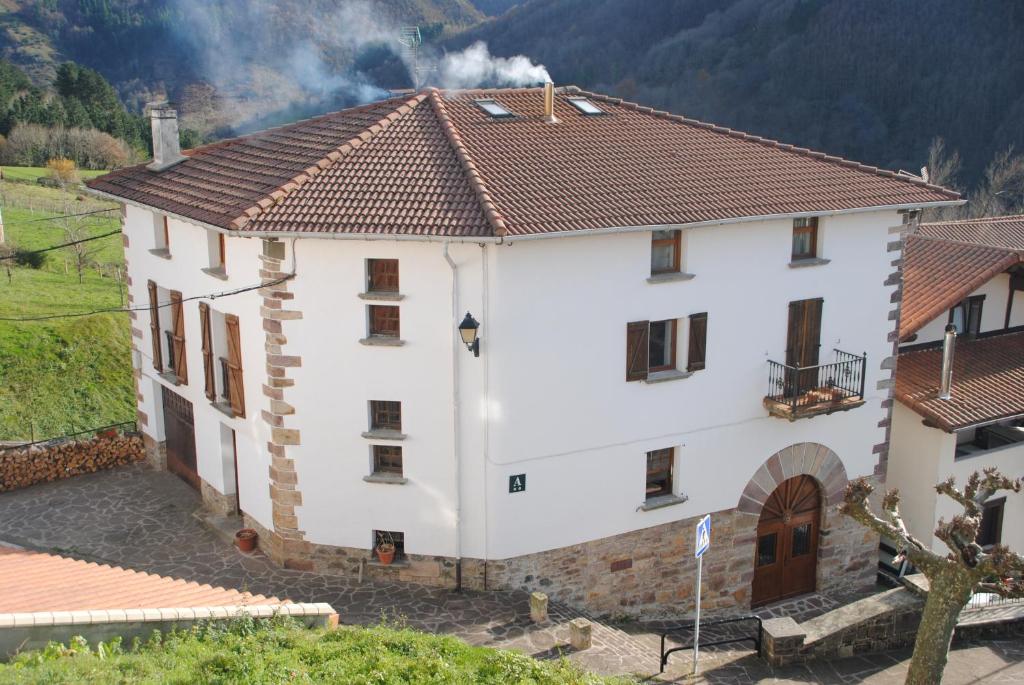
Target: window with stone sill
{"type": "Point", "coordinates": [382, 275]}
{"type": "Point", "coordinates": [385, 416]}
{"type": "Point", "coordinates": [666, 252]}
{"type": "Point", "coordinates": [383, 321]}
{"type": "Point", "coordinates": [387, 460]}
{"type": "Point", "coordinates": [805, 238]}
{"type": "Point", "coordinates": [659, 472]}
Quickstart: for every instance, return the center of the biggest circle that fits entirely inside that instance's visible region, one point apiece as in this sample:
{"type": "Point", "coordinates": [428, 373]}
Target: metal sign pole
{"type": "Point", "coordinates": [696, 623]}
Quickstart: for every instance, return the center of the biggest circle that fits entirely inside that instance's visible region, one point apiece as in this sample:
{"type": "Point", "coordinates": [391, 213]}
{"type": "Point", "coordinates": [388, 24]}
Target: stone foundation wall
{"type": "Point", "coordinates": [155, 452]}
{"type": "Point", "coordinates": [216, 501]}
{"type": "Point", "coordinates": [49, 461]}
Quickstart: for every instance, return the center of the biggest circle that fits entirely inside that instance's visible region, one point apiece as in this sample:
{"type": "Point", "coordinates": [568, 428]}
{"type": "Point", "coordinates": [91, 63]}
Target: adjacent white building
{"type": "Point", "coordinates": [968, 275]}
{"type": "Point", "coordinates": [672, 319]}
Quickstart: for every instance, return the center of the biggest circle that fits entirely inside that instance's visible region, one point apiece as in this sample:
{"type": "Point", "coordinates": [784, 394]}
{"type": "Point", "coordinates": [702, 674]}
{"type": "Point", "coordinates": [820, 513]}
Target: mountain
{"type": "Point", "coordinates": [872, 80]}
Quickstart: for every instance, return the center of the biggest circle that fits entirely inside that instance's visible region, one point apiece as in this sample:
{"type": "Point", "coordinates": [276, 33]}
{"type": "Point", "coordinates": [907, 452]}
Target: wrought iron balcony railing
{"type": "Point", "coordinates": [799, 391]}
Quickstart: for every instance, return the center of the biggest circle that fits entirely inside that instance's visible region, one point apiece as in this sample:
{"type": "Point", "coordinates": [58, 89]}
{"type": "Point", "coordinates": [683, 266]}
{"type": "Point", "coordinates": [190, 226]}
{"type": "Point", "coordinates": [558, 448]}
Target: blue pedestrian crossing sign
{"type": "Point", "coordinates": [703, 536]}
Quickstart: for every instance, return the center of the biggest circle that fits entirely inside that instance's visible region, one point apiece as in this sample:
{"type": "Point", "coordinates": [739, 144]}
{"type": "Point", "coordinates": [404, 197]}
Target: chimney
{"type": "Point", "coordinates": [549, 101]}
{"type": "Point", "coordinates": [166, 146]}
{"type": "Point", "coordinates": [948, 341]}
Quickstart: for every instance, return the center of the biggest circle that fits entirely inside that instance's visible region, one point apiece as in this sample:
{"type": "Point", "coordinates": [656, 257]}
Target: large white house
{"type": "Point", "coordinates": [969, 275]}
{"type": "Point", "coordinates": [673, 319]}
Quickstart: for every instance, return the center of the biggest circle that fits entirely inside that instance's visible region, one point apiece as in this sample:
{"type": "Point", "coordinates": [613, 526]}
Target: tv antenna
{"type": "Point", "coordinates": [411, 40]}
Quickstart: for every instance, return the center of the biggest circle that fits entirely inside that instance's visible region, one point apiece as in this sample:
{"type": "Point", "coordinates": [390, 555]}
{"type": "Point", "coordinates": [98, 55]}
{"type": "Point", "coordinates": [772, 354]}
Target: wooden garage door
{"type": "Point", "coordinates": [181, 437]}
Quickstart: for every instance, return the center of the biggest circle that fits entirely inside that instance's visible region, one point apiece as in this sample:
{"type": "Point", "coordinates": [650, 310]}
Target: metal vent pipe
{"type": "Point", "coordinates": [948, 343]}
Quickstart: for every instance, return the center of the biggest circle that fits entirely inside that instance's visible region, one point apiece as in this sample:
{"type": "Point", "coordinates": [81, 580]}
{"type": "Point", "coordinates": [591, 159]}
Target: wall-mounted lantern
{"type": "Point", "coordinates": [468, 329]}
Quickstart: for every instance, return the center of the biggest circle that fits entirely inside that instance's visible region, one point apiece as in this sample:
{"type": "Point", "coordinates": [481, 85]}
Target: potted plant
{"type": "Point", "coordinates": [385, 547]}
{"type": "Point", "coordinates": [246, 539]}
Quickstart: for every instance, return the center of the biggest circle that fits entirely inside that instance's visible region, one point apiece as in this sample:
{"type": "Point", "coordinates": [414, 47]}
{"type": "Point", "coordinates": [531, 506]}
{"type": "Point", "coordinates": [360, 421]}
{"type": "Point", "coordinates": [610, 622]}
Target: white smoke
{"type": "Point", "coordinates": [476, 66]}
{"type": "Point", "coordinates": [261, 57]}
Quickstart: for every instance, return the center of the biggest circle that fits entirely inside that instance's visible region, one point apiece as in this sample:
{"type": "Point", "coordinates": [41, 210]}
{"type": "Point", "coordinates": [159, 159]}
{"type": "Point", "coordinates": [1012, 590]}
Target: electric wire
{"type": "Point", "coordinates": [159, 305]}
{"type": "Point", "coordinates": [21, 255]}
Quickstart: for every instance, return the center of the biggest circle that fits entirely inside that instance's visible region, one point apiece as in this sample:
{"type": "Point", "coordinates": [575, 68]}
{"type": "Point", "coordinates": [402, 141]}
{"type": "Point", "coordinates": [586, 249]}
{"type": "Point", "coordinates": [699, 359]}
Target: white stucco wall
{"type": "Point", "coordinates": [993, 311]}
{"type": "Point", "coordinates": [563, 414]}
{"type": "Point", "coordinates": [920, 457]}
{"type": "Point", "coordinates": [547, 397]}
{"type": "Point", "coordinates": [189, 254]}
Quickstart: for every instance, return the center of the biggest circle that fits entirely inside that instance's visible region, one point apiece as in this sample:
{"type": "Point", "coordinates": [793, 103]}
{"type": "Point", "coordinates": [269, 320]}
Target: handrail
{"type": "Point", "coordinates": [834, 381]}
{"type": "Point", "coordinates": [122, 427]}
{"type": "Point", "coordinates": [756, 639]}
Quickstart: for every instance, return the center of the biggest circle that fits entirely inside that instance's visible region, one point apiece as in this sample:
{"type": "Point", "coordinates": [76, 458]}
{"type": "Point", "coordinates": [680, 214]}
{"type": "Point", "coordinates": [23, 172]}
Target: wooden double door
{"type": "Point", "coordinates": [179, 428]}
{"type": "Point", "coordinates": [786, 554]}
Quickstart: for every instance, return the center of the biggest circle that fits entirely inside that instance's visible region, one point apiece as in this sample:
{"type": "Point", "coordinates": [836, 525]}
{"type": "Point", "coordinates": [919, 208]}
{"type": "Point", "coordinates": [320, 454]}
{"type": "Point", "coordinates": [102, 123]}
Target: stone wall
{"type": "Point", "coordinates": [881, 622]}
{"type": "Point", "coordinates": [48, 461]}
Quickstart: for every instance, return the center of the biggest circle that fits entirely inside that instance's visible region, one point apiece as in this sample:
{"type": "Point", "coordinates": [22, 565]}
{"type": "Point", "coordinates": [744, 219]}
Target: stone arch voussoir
{"type": "Point", "coordinates": [804, 458]}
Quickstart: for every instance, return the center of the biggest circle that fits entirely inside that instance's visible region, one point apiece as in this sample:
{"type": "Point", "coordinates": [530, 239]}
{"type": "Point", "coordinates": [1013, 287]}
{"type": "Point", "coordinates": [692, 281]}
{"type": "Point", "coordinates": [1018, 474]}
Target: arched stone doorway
{"type": "Point", "coordinates": [786, 552]}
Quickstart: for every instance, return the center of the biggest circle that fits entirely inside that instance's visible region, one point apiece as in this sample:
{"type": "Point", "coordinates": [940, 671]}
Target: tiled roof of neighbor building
{"type": "Point", "coordinates": [939, 273]}
{"type": "Point", "coordinates": [435, 163]}
{"type": "Point", "coordinates": [997, 231]}
{"type": "Point", "coordinates": [35, 581]}
{"type": "Point", "coordinates": [988, 381]}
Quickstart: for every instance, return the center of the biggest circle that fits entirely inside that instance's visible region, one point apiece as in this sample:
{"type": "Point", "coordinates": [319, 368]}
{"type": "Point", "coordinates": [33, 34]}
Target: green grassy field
{"type": "Point", "coordinates": [281, 652]}
{"type": "Point", "coordinates": [64, 375]}
{"type": "Point", "coordinates": [32, 173]}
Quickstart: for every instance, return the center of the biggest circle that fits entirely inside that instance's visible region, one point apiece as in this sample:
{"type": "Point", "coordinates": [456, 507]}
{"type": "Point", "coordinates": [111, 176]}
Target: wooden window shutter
{"type": "Point", "coordinates": [237, 390]}
{"type": "Point", "coordinates": [803, 337]}
{"type": "Point", "coordinates": [207, 338]}
{"type": "Point", "coordinates": [154, 327]}
{"type": "Point", "coordinates": [178, 335]}
{"type": "Point", "coordinates": [697, 349]}
{"type": "Point", "coordinates": [637, 341]}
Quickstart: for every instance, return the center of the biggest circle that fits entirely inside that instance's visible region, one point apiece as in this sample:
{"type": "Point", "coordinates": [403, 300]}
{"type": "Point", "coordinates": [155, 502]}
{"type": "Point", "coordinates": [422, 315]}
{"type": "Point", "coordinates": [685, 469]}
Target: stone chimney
{"type": "Point", "coordinates": [946, 382]}
{"type": "Point", "coordinates": [166, 146]}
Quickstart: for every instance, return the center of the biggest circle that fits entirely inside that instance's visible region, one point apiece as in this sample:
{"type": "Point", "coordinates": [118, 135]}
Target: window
{"type": "Point", "coordinates": [966, 316]}
{"type": "Point", "coordinates": [391, 537]}
{"type": "Point", "coordinates": [666, 251]}
{"type": "Point", "coordinates": [696, 351]}
{"type": "Point", "coordinates": [382, 275]}
{"type": "Point", "coordinates": [990, 532]}
{"type": "Point", "coordinates": [661, 353]}
{"type": "Point", "coordinates": [387, 459]}
{"type": "Point", "coordinates": [161, 235]}
{"type": "Point", "coordinates": [659, 472]}
{"type": "Point", "coordinates": [215, 251]}
{"type": "Point", "coordinates": [585, 106]}
{"type": "Point", "coordinates": [494, 109]}
{"type": "Point", "coordinates": [805, 238]}
{"type": "Point", "coordinates": [384, 321]}
{"type": "Point", "coordinates": [385, 415]}
{"type": "Point", "coordinates": [767, 546]}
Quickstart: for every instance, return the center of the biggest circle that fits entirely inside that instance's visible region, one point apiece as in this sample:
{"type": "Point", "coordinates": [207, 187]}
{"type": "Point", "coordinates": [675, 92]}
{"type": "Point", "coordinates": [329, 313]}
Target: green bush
{"type": "Point", "coordinates": [281, 651]}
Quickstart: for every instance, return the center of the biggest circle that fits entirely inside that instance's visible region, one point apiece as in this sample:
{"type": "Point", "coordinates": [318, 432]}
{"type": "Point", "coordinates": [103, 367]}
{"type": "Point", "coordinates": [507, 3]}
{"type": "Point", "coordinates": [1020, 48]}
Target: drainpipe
{"type": "Point", "coordinates": [455, 419]}
{"type": "Point", "coordinates": [948, 343]}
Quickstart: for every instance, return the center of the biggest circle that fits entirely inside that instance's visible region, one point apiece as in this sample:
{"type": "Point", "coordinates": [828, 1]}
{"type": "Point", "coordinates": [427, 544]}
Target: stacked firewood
{"type": "Point", "coordinates": [23, 466]}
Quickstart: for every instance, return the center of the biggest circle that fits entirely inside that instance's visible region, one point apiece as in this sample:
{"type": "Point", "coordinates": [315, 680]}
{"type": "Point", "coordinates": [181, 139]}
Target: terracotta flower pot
{"type": "Point", "coordinates": [246, 539]}
{"type": "Point", "coordinates": [386, 554]}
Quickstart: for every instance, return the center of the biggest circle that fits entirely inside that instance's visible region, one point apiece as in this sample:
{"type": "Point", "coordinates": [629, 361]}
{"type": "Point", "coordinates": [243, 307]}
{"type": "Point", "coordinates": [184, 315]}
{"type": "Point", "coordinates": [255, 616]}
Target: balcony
{"type": "Point", "coordinates": [796, 392]}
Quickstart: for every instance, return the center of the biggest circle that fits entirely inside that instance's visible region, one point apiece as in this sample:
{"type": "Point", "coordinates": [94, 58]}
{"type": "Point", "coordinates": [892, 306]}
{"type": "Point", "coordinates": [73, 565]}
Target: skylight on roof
{"type": "Point", "coordinates": [586, 106]}
{"type": "Point", "coordinates": [494, 109]}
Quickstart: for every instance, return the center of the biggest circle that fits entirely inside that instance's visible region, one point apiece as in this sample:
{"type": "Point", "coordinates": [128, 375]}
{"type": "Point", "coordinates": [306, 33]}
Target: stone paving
{"type": "Point", "coordinates": [145, 520]}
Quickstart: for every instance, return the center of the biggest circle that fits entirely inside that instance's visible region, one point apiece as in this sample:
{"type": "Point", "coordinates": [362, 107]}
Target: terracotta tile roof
{"type": "Point", "coordinates": [445, 167]}
{"type": "Point", "coordinates": [35, 581]}
{"type": "Point", "coordinates": [938, 273]}
{"type": "Point", "coordinates": [997, 231]}
{"type": "Point", "coordinates": [988, 381]}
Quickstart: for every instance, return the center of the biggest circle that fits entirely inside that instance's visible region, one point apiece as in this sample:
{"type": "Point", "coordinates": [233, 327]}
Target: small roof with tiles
{"type": "Point", "coordinates": [36, 581]}
{"type": "Point", "coordinates": [997, 231]}
{"type": "Point", "coordinates": [988, 382]}
{"type": "Point", "coordinates": [938, 274]}
{"type": "Point", "coordinates": [437, 164]}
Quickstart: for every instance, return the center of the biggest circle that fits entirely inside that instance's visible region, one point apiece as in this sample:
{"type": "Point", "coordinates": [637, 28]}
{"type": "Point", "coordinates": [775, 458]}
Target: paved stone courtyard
{"type": "Point", "coordinates": [145, 520]}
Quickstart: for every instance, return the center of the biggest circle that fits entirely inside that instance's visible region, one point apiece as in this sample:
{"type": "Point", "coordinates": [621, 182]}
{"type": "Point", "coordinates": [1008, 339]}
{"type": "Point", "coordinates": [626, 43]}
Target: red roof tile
{"type": "Point", "coordinates": [405, 166]}
{"type": "Point", "coordinates": [997, 231]}
{"type": "Point", "coordinates": [938, 273]}
{"type": "Point", "coordinates": [35, 581]}
{"type": "Point", "coordinates": [988, 381]}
